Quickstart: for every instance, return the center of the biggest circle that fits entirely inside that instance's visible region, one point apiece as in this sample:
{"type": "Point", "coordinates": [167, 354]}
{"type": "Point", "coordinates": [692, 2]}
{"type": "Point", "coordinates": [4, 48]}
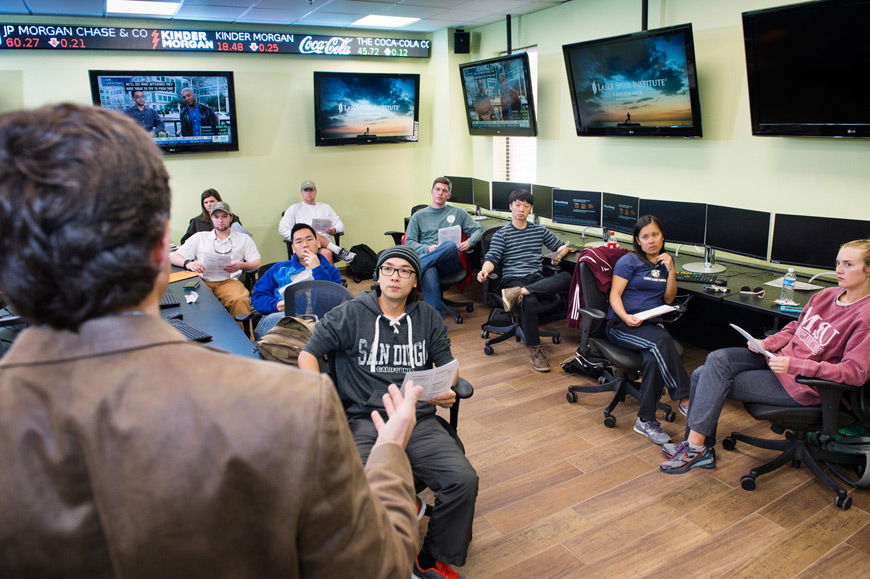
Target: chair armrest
{"type": "Point", "coordinates": [396, 235]}
{"type": "Point", "coordinates": [463, 389]}
{"type": "Point", "coordinates": [830, 393]}
{"type": "Point", "coordinates": [245, 317]}
{"type": "Point", "coordinates": [593, 313]}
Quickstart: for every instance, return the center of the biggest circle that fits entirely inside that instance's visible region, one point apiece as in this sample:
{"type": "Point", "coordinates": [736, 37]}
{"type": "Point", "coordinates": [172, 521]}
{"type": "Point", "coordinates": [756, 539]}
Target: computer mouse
{"type": "Point", "coordinates": [720, 282]}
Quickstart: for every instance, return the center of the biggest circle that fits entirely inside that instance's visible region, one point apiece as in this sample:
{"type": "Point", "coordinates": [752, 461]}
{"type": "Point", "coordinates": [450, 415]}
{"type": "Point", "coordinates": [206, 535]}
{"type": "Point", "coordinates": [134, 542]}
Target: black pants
{"type": "Point", "coordinates": [541, 290]}
{"type": "Point", "coordinates": [440, 464]}
{"type": "Point", "coordinates": [662, 366]}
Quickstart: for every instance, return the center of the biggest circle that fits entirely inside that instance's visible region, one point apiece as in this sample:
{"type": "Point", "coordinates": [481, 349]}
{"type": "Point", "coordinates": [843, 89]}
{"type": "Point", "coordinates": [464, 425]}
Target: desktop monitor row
{"type": "Point", "coordinates": [797, 239]}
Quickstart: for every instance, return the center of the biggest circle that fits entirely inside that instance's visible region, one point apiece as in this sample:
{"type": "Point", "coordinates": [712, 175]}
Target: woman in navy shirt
{"type": "Point", "coordinates": [644, 280]}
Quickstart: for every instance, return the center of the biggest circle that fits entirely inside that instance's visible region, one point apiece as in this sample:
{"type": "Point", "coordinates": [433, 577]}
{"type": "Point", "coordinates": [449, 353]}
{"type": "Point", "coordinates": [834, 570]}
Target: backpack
{"type": "Point", "coordinates": [286, 339]}
{"type": "Point", "coordinates": [363, 265]}
{"type": "Point", "coordinates": [850, 441]}
{"type": "Point", "coordinates": [590, 362]}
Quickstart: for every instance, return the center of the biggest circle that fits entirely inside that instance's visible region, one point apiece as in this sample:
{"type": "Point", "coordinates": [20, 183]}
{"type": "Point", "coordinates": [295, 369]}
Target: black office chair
{"type": "Point", "coordinates": [507, 325]}
{"type": "Point", "coordinates": [398, 236]}
{"type": "Point", "coordinates": [623, 368]}
{"type": "Point", "coordinates": [314, 296]}
{"type": "Point", "coordinates": [841, 406]}
{"type": "Point", "coordinates": [249, 321]}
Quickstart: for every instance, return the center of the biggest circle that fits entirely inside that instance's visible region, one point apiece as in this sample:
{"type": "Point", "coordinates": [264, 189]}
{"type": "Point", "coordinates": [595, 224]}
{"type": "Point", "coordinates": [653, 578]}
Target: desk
{"type": "Point", "coordinates": [212, 318]}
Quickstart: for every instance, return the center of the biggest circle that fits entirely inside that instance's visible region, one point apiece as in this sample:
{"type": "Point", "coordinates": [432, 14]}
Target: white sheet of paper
{"type": "Point", "coordinates": [655, 312]}
{"type": "Point", "coordinates": [214, 264]}
{"type": "Point", "coordinates": [798, 285]}
{"type": "Point", "coordinates": [435, 382]}
{"type": "Point", "coordinates": [453, 234]}
{"type": "Point", "coordinates": [191, 297]}
{"type": "Point", "coordinates": [751, 340]}
{"type": "Point", "coordinates": [321, 224]}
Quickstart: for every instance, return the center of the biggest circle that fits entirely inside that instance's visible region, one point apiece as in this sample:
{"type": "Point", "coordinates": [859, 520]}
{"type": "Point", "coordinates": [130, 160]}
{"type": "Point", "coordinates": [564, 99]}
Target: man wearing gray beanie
{"type": "Point", "coordinates": [375, 340]}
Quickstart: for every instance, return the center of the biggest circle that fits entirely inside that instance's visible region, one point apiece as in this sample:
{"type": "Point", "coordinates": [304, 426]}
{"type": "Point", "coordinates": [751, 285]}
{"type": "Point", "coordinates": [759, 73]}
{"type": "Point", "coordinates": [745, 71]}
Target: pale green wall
{"type": "Point", "coordinates": [373, 187]}
{"type": "Point", "coordinates": [728, 166]}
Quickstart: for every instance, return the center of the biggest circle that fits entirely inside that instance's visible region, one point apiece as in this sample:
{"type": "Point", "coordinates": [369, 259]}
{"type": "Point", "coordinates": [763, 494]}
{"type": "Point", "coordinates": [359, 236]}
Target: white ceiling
{"type": "Point", "coordinates": [434, 14]}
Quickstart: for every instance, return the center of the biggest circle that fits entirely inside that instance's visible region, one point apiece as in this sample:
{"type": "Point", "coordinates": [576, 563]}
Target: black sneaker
{"type": "Point", "coordinates": [346, 255]}
{"type": "Point", "coordinates": [687, 459]}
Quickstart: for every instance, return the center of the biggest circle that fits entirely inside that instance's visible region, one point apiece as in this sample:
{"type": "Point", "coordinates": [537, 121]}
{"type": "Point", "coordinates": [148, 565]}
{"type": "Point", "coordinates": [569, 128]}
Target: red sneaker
{"type": "Point", "coordinates": [440, 571]}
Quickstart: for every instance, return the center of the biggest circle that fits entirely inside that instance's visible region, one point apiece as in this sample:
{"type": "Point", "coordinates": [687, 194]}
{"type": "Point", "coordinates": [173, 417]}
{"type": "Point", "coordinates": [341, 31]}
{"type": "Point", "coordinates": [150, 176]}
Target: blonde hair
{"type": "Point", "coordinates": [864, 246]}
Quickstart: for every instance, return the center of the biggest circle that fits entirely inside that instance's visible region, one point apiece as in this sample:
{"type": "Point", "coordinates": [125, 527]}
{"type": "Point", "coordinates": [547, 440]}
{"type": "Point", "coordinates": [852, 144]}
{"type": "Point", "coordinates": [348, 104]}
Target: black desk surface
{"type": "Point", "coordinates": [209, 316]}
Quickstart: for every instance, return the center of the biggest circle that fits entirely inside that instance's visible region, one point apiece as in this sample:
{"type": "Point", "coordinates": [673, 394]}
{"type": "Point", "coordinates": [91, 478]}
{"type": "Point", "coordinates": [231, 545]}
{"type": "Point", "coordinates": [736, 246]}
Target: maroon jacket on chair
{"type": "Point", "coordinates": [601, 260]}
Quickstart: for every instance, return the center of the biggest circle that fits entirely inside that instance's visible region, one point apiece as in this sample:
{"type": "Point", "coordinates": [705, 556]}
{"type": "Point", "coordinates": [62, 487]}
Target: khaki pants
{"type": "Point", "coordinates": [233, 295]}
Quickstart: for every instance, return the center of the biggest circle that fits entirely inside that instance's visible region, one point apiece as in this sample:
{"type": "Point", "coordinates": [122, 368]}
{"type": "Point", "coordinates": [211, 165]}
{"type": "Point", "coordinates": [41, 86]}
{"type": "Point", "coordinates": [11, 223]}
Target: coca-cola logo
{"type": "Point", "coordinates": [334, 45]}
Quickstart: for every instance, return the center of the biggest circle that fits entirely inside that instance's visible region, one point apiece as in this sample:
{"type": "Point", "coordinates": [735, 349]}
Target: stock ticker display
{"type": "Point", "coordinates": [73, 37]}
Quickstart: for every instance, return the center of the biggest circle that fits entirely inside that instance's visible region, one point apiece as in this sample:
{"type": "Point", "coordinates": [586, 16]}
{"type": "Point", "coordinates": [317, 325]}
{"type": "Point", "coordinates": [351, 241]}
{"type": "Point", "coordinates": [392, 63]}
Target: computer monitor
{"type": "Point", "coordinates": [813, 241]}
{"type": "Point", "coordinates": [581, 208]}
{"type": "Point", "coordinates": [683, 222]}
{"type": "Point", "coordinates": [741, 231]}
{"type": "Point", "coordinates": [462, 190]}
{"type": "Point", "coordinates": [543, 201]}
{"type": "Point", "coordinates": [481, 194]}
{"type": "Point", "coordinates": [619, 212]}
{"type": "Point", "coordinates": [501, 190]}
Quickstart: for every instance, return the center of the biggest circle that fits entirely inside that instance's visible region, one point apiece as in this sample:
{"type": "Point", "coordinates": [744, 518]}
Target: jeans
{"type": "Point", "coordinates": [442, 260]}
{"type": "Point", "coordinates": [266, 323]}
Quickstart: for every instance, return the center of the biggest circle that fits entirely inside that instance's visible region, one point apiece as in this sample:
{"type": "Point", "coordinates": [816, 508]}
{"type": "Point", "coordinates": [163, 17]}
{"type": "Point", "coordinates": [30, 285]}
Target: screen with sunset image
{"type": "Point", "coordinates": [640, 84]}
{"type": "Point", "coordinates": [365, 108]}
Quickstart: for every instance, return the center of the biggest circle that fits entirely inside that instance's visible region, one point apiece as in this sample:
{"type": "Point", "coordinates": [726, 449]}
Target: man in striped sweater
{"type": "Point", "coordinates": [517, 247]}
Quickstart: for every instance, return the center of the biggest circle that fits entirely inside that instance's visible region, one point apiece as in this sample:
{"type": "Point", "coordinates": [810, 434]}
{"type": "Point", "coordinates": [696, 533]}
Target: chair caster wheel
{"type": "Point", "coordinates": [557, 340]}
{"type": "Point", "coordinates": [458, 319]}
{"type": "Point", "coordinates": [670, 416]}
{"type": "Point", "coordinates": [572, 397]}
{"type": "Point", "coordinates": [516, 338]}
{"type": "Point", "coordinates": [747, 482]}
{"type": "Point", "coordinates": [484, 335]}
{"type": "Point", "coordinates": [488, 350]}
{"type": "Point", "coordinates": [844, 503]}
{"type": "Point", "coordinates": [610, 421]}
{"type": "Point", "coordinates": [602, 379]}
{"type": "Point", "coordinates": [469, 309]}
{"type": "Point", "coordinates": [729, 443]}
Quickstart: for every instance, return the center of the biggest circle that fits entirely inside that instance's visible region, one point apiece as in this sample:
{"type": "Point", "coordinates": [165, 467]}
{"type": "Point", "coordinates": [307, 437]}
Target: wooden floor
{"type": "Point", "coordinates": [563, 496]}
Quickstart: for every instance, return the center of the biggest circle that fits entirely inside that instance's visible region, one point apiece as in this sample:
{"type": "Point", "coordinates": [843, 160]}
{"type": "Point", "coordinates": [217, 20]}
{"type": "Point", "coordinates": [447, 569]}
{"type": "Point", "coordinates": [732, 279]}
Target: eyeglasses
{"type": "Point", "coordinates": [757, 291]}
{"type": "Point", "coordinates": [388, 271]}
{"type": "Point", "coordinates": [222, 243]}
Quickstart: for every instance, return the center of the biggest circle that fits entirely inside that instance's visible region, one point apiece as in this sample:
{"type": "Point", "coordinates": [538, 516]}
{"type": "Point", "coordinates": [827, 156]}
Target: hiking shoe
{"type": "Point", "coordinates": [687, 459]}
{"type": "Point", "coordinates": [539, 359]}
{"type": "Point", "coordinates": [671, 450]}
{"type": "Point", "coordinates": [439, 571]}
{"type": "Point", "coordinates": [652, 429]}
{"type": "Point", "coordinates": [683, 410]}
{"type": "Point", "coordinates": [346, 255]}
{"type": "Point", "coordinates": [511, 296]}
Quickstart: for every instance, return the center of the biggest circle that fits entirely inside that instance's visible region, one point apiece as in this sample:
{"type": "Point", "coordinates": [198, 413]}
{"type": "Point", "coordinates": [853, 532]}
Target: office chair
{"type": "Point", "coordinates": [623, 367]}
{"type": "Point", "coordinates": [314, 296]}
{"type": "Point", "coordinates": [399, 236]}
{"type": "Point", "coordinates": [507, 325]}
{"type": "Point", "coordinates": [841, 406]}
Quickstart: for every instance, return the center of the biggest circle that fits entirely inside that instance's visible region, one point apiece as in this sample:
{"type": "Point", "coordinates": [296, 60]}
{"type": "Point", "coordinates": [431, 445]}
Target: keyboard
{"type": "Point", "coordinates": [697, 277]}
{"type": "Point", "coordinates": [169, 300]}
{"type": "Point", "coordinates": [189, 331]}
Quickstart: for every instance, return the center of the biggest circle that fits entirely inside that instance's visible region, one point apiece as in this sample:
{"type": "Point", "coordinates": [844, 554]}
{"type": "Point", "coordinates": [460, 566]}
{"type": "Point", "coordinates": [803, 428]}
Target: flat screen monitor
{"type": "Point", "coordinates": [543, 201]}
{"type": "Point", "coordinates": [813, 241]}
{"type": "Point", "coordinates": [498, 96]}
{"type": "Point", "coordinates": [582, 208]}
{"type": "Point", "coordinates": [462, 190]}
{"type": "Point", "coordinates": [481, 194]}
{"type": "Point", "coordinates": [356, 108]}
{"type": "Point", "coordinates": [683, 222]}
{"type": "Point", "coordinates": [741, 231]}
{"type": "Point", "coordinates": [501, 190]}
{"type": "Point", "coordinates": [618, 212]}
{"type": "Point", "coordinates": [166, 98]}
{"type": "Point", "coordinates": [635, 85]}
{"type": "Point", "coordinates": [803, 63]}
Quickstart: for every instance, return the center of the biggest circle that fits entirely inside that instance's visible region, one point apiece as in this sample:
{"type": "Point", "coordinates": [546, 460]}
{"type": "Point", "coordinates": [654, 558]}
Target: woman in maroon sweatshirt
{"type": "Point", "coordinates": [830, 340]}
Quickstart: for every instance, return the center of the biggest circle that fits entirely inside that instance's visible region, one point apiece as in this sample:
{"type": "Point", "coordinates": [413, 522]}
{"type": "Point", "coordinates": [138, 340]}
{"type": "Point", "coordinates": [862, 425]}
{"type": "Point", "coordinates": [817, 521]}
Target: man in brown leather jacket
{"type": "Point", "coordinates": [126, 451]}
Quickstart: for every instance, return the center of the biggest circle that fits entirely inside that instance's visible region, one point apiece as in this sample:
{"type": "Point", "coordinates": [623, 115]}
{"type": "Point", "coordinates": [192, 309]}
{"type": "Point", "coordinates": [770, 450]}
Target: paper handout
{"type": "Point", "coordinates": [751, 340]}
{"type": "Point", "coordinates": [435, 382]}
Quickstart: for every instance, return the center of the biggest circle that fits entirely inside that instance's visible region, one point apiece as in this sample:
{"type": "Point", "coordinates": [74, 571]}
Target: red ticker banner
{"type": "Point", "coordinates": [73, 37]}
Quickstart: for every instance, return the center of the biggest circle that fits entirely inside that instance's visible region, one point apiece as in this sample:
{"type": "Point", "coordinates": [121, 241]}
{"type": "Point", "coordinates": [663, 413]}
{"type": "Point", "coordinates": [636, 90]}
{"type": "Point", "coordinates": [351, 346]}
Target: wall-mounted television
{"type": "Point", "coordinates": [498, 96]}
{"type": "Point", "coordinates": [356, 108]}
{"type": "Point", "coordinates": [185, 112]}
{"type": "Point", "coordinates": [635, 85]}
{"type": "Point", "coordinates": [806, 69]}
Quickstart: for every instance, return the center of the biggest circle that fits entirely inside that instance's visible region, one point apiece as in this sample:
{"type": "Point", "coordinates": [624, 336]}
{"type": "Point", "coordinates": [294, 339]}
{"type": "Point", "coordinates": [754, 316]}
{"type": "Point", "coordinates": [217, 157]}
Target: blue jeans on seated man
{"type": "Point", "coordinates": [443, 260]}
{"type": "Point", "coordinates": [266, 323]}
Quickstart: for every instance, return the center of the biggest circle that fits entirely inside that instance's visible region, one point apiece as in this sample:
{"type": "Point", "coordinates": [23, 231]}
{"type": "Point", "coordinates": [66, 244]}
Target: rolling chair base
{"type": "Point", "coordinates": [621, 387]}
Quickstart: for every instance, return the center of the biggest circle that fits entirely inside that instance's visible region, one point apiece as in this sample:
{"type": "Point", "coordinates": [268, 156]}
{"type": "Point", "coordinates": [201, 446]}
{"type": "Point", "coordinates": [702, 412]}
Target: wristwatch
{"type": "Point", "coordinates": [186, 261]}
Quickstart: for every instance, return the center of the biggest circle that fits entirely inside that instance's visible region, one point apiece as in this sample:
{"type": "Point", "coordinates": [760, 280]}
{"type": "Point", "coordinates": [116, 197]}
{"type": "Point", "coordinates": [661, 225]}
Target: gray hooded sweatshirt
{"type": "Point", "coordinates": [373, 351]}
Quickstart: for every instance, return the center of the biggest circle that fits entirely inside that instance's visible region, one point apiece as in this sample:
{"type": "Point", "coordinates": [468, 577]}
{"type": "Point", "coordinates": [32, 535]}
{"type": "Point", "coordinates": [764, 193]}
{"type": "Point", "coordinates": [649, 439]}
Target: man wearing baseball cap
{"type": "Point", "coordinates": [321, 217]}
{"type": "Point", "coordinates": [376, 339]}
{"type": "Point", "coordinates": [221, 255]}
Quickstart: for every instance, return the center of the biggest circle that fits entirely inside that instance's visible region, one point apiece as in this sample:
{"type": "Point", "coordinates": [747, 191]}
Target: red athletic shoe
{"type": "Point", "coordinates": [440, 571]}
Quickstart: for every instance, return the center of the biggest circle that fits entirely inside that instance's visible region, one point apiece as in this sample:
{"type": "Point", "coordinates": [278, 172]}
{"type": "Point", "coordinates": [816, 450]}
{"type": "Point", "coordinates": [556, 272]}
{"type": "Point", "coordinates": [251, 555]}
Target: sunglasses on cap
{"type": "Point", "coordinates": [757, 291]}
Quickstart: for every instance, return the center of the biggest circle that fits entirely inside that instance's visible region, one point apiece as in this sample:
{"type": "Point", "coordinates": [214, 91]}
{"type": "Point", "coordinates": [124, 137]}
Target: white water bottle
{"type": "Point", "coordinates": [611, 241]}
{"type": "Point", "coordinates": [788, 286]}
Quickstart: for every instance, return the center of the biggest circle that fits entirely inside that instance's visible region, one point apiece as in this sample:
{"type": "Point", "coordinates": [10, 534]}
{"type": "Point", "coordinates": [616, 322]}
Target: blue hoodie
{"type": "Point", "coordinates": [268, 289]}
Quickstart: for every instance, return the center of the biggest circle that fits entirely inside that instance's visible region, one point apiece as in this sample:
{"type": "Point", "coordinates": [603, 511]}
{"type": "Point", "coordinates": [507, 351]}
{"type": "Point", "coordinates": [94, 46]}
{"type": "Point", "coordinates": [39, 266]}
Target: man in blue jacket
{"type": "Point", "coordinates": [307, 263]}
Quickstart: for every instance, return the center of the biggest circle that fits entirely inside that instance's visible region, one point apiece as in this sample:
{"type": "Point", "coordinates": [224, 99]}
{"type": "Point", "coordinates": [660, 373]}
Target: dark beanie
{"type": "Point", "coordinates": [403, 252]}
